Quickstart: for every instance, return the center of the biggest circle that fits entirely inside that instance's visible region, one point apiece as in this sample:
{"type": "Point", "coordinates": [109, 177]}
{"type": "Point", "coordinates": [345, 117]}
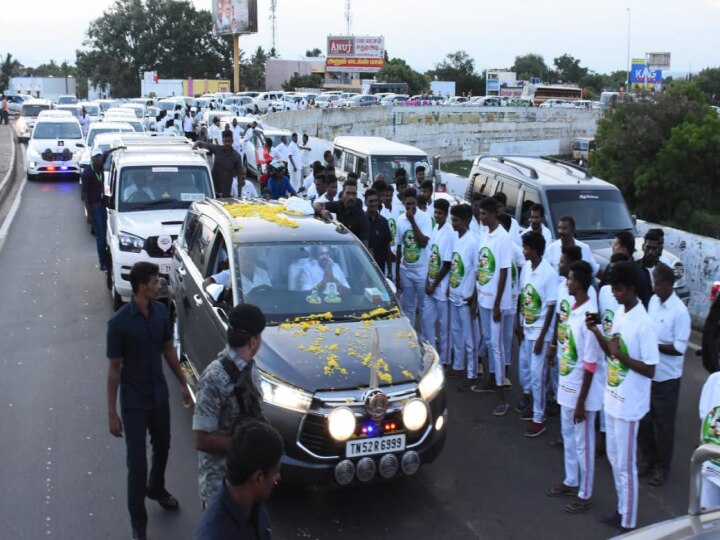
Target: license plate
{"type": "Point", "coordinates": [165, 269]}
{"type": "Point", "coordinates": [379, 445]}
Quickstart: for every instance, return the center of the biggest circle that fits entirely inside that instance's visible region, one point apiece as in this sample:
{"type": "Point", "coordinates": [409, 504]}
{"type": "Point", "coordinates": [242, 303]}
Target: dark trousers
{"type": "Point", "coordinates": [657, 430]}
{"type": "Point", "coordinates": [136, 424]}
{"type": "Point", "coordinates": [98, 214]}
{"type": "Point", "coordinates": [4, 117]}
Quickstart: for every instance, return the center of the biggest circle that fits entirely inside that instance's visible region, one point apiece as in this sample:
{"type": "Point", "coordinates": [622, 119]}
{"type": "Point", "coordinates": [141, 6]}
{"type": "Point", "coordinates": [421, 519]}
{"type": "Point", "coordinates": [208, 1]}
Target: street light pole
{"type": "Point", "coordinates": [627, 85]}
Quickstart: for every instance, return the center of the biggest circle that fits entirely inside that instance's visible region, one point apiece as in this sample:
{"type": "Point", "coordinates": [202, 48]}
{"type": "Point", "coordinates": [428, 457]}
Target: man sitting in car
{"type": "Point", "coordinates": [139, 190]}
{"type": "Point", "coordinates": [252, 274]}
{"type": "Point", "coordinates": [321, 273]}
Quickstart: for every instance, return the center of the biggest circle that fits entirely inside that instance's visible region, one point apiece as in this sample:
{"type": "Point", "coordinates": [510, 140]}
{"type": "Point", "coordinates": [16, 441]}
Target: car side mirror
{"type": "Point", "coordinates": [215, 291]}
{"type": "Point", "coordinates": [634, 219]}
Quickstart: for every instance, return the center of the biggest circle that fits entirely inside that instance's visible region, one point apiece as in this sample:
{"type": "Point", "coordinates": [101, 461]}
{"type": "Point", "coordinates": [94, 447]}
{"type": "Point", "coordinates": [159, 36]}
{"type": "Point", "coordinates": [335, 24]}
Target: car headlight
{"type": "Point", "coordinates": [283, 395]}
{"type": "Point", "coordinates": [130, 242]}
{"type": "Point", "coordinates": [415, 414]}
{"type": "Point", "coordinates": [341, 424]}
{"type": "Point", "coordinates": [32, 165]}
{"type": "Point", "coordinates": [433, 380]}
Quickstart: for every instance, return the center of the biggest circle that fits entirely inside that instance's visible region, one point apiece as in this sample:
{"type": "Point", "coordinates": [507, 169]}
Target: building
{"type": "Point", "coordinates": [43, 87]}
{"type": "Point", "coordinates": [279, 71]}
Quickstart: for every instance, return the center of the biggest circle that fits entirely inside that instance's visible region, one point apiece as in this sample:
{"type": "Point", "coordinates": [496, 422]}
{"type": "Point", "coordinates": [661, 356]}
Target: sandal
{"type": "Point", "coordinates": [561, 490]}
{"type": "Point", "coordinates": [578, 505]}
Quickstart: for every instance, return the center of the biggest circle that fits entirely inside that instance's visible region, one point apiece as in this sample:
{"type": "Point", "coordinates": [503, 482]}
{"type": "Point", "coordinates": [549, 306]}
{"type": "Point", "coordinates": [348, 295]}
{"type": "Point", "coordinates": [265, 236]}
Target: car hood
{"type": "Point", "coordinates": [333, 356]}
{"type": "Point", "coordinates": [151, 222]}
{"type": "Point", "coordinates": [40, 145]}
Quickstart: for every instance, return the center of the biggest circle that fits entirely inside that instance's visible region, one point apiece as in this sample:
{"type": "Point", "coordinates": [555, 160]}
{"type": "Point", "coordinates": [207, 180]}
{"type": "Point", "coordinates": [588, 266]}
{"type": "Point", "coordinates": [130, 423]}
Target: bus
{"type": "Point", "coordinates": [386, 88]}
{"type": "Point", "coordinates": [542, 92]}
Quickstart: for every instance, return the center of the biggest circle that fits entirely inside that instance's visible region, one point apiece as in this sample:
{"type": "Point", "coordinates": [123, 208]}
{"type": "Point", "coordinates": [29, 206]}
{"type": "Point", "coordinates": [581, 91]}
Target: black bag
{"type": "Point", "coordinates": [247, 395]}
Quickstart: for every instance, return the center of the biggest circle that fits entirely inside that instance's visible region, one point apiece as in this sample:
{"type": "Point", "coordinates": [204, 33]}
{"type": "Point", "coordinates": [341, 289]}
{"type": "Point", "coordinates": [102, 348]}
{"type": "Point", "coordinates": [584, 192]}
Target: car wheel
{"type": "Point", "coordinates": [32, 177]}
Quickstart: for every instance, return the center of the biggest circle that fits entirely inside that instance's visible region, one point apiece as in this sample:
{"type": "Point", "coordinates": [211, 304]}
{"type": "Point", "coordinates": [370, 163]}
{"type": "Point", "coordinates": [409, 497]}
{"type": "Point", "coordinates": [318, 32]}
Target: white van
{"type": "Point", "coordinates": [370, 156]}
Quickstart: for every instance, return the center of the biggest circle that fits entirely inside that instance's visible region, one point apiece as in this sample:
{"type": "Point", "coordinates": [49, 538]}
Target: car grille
{"type": "Point", "coordinates": [153, 250]}
{"type": "Point", "coordinates": [57, 156]}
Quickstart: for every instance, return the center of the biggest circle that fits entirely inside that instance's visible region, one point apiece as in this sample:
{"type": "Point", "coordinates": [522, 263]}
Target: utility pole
{"type": "Point", "coordinates": [348, 16]}
{"type": "Point", "coordinates": [627, 87]}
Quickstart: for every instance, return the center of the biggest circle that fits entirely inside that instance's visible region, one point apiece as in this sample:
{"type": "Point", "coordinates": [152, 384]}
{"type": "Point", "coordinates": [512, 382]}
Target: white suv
{"type": "Point", "coordinates": [152, 183]}
{"type": "Point", "coordinates": [55, 145]}
{"type": "Point", "coordinates": [29, 113]}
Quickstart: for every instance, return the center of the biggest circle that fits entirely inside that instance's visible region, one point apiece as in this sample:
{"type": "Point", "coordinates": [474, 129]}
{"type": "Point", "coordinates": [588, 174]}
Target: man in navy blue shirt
{"type": "Point", "coordinates": [278, 184]}
{"type": "Point", "coordinates": [138, 337]}
{"type": "Point", "coordinates": [238, 510]}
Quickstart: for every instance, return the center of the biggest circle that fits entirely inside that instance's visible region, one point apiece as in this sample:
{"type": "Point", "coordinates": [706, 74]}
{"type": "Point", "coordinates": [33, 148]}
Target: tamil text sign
{"type": "Point", "coordinates": [234, 16]}
{"type": "Point", "coordinates": [355, 53]}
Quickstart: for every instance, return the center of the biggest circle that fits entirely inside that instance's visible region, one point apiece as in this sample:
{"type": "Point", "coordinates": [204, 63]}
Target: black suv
{"type": "Point", "coordinates": [344, 377]}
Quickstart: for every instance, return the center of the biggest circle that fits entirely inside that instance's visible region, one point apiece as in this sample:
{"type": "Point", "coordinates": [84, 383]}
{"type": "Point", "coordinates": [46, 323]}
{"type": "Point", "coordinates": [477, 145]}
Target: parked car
{"type": "Point", "coordinates": [562, 103]}
{"type": "Point", "coordinates": [456, 100]}
{"type": "Point", "coordinates": [253, 155]}
{"type": "Point", "coordinates": [343, 375]}
{"type": "Point", "coordinates": [100, 128]}
{"type": "Point", "coordinates": [394, 99]}
{"type": "Point", "coordinates": [29, 113]}
{"type": "Point", "coordinates": [563, 188]}
{"type": "Point", "coordinates": [55, 146]}
{"type": "Point", "coordinates": [67, 100]}
{"type": "Point", "coordinates": [263, 99]}
{"type": "Point", "coordinates": [324, 101]}
{"type": "Point", "coordinates": [15, 102]}
{"type": "Point", "coordinates": [361, 100]}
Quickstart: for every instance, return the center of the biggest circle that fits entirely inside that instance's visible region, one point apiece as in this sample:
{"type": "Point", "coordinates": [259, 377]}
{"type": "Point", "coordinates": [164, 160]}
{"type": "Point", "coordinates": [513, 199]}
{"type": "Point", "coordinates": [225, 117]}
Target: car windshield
{"type": "Point", "coordinates": [387, 165]}
{"type": "Point", "coordinates": [34, 110]}
{"type": "Point", "coordinates": [137, 110]}
{"type": "Point", "coordinates": [581, 145]}
{"type": "Point", "coordinates": [598, 213]}
{"type": "Point", "coordinates": [57, 130]}
{"type": "Point", "coordinates": [161, 187]}
{"type": "Point", "coordinates": [92, 110]}
{"type": "Point", "coordinates": [167, 105]}
{"type": "Point", "coordinates": [67, 100]}
{"type": "Point", "coordinates": [282, 278]}
{"type": "Point", "coordinates": [95, 132]}
{"type": "Point", "coordinates": [74, 110]}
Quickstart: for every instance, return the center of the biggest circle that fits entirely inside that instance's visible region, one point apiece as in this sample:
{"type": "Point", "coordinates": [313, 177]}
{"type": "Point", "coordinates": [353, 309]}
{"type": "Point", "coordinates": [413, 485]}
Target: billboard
{"type": "Point", "coordinates": [234, 17]}
{"type": "Point", "coordinates": [644, 76]}
{"type": "Point", "coordinates": [659, 60]}
{"type": "Point", "coordinates": [355, 53]}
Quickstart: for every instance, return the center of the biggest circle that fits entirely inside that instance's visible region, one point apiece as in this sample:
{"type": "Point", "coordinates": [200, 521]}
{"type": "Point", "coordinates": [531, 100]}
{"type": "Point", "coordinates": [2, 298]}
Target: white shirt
{"type": "Point", "coordinates": [554, 251]}
{"type": "Point", "coordinates": [215, 134]}
{"type": "Point", "coordinates": [539, 291]}
{"type": "Point", "coordinates": [188, 124]}
{"type": "Point", "coordinates": [237, 132]}
{"type": "Point", "coordinates": [84, 124]}
{"type": "Point", "coordinates": [709, 409]}
{"type": "Point", "coordinates": [627, 393]}
{"type": "Point", "coordinates": [296, 153]}
{"type": "Point", "coordinates": [312, 274]}
{"type": "Point", "coordinates": [440, 247]}
{"type": "Point", "coordinates": [415, 259]}
{"type": "Point", "coordinates": [248, 191]}
{"type": "Point", "coordinates": [280, 152]}
{"type": "Point", "coordinates": [579, 348]}
{"type": "Point", "coordinates": [495, 254]}
{"type": "Point", "coordinates": [259, 277]}
{"type": "Point", "coordinates": [248, 134]}
{"type": "Point", "coordinates": [133, 189]}
{"type": "Point", "coordinates": [478, 229]}
{"type": "Point", "coordinates": [392, 217]}
{"type": "Point", "coordinates": [305, 156]}
{"type": "Point", "coordinates": [463, 267]}
{"type": "Point", "coordinates": [547, 235]}
{"type": "Point", "coordinates": [514, 231]}
{"type": "Point", "coordinates": [608, 308]}
{"type": "Point", "coordinates": [671, 320]}
{"type": "Point", "coordinates": [518, 262]}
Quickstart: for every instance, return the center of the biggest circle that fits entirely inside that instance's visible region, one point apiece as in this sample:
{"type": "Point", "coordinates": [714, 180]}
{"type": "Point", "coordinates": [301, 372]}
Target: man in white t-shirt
{"type": "Point", "coordinates": [709, 409]}
{"type": "Point", "coordinates": [436, 310]}
{"type": "Point", "coordinates": [411, 259]}
{"type": "Point", "coordinates": [305, 148]}
{"type": "Point", "coordinates": [295, 162]}
{"type": "Point", "coordinates": [494, 299]}
{"type": "Point", "coordinates": [672, 324]}
{"type": "Point", "coordinates": [536, 220]}
{"type": "Point", "coordinates": [280, 151]}
{"type": "Point", "coordinates": [391, 210]}
{"type": "Point", "coordinates": [538, 286]}
{"type": "Point", "coordinates": [566, 237]}
{"type": "Point", "coordinates": [214, 132]}
{"type": "Point", "coordinates": [514, 231]}
{"type": "Point", "coordinates": [632, 355]}
{"type": "Point", "coordinates": [580, 393]}
{"type": "Point", "coordinates": [462, 294]}
{"type": "Point", "coordinates": [238, 132]}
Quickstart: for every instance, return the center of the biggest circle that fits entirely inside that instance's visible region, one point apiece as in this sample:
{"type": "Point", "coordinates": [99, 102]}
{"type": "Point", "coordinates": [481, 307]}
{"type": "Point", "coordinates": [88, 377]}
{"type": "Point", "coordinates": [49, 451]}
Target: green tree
{"type": "Point", "coordinates": [632, 134]}
{"type": "Point", "coordinates": [530, 65]}
{"type": "Point", "coordinates": [397, 70]}
{"type": "Point", "coordinates": [313, 53]}
{"type": "Point", "coordinates": [708, 80]}
{"type": "Point", "coordinates": [252, 72]}
{"type": "Point", "coordinates": [171, 37]}
{"type": "Point", "coordinates": [688, 167]}
{"type": "Point", "coordinates": [568, 69]}
{"type": "Point", "coordinates": [314, 80]}
{"type": "Point", "coordinates": [9, 68]}
{"type": "Point", "coordinates": [459, 67]}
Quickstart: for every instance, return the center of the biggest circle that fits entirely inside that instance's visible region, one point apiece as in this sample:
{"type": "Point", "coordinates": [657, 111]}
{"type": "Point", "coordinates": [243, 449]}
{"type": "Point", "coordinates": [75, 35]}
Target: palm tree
{"type": "Point", "coordinates": [8, 69]}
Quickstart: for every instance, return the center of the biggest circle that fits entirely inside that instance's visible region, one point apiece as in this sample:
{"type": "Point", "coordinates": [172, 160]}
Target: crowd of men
{"type": "Point", "coordinates": [470, 279]}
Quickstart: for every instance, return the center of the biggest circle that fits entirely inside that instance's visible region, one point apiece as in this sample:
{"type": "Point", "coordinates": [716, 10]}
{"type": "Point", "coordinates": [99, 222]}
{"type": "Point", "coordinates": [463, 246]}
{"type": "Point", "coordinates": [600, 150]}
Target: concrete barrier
{"type": "Point", "coordinates": [452, 132]}
{"type": "Point", "coordinates": [701, 257]}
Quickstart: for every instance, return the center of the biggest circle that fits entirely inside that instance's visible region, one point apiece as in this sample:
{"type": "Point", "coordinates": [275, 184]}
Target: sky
{"type": "Point", "coordinates": [423, 31]}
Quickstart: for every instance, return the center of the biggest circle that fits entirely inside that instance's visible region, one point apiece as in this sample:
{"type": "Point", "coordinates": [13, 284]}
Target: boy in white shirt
{"type": "Point", "coordinates": [463, 293]}
{"type": "Point", "coordinates": [436, 309]}
{"type": "Point", "coordinates": [494, 298]}
{"type": "Point", "coordinates": [411, 263]}
{"type": "Point", "coordinates": [580, 393]}
{"type": "Point", "coordinates": [631, 354]}
{"type": "Point", "coordinates": [539, 284]}
{"type": "Point", "coordinates": [671, 319]}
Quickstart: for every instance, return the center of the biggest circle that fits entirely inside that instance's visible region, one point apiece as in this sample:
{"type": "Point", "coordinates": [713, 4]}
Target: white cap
{"type": "Point", "coordinates": [96, 152]}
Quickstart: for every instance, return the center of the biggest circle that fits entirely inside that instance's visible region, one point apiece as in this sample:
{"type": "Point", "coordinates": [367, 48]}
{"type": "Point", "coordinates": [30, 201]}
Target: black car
{"type": "Point", "coordinates": [344, 377]}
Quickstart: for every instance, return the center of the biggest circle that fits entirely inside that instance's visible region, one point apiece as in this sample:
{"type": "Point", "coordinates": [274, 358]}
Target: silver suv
{"type": "Point", "coordinates": [563, 188]}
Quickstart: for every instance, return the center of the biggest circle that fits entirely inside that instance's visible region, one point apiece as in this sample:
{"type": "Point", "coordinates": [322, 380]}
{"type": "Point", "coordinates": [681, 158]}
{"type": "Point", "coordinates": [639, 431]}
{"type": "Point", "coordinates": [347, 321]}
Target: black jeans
{"type": "Point", "coordinates": [136, 424]}
{"type": "Point", "coordinates": [657, 430]}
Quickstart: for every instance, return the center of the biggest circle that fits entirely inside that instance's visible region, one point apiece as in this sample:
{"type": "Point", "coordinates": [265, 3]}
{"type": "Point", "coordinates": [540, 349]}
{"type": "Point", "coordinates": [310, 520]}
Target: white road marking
{"type": "Point", "coordinates": [13, 210]}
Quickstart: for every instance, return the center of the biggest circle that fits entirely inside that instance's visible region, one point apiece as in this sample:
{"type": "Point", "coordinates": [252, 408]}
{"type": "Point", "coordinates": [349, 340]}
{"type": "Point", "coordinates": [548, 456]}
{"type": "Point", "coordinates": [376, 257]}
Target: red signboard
{"type": "Point", "coordinates": [355, 53]}
{"type": "Point", "coordinates": [354, 64]}
{"type": "Point", "coordinates": [341, 46]}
